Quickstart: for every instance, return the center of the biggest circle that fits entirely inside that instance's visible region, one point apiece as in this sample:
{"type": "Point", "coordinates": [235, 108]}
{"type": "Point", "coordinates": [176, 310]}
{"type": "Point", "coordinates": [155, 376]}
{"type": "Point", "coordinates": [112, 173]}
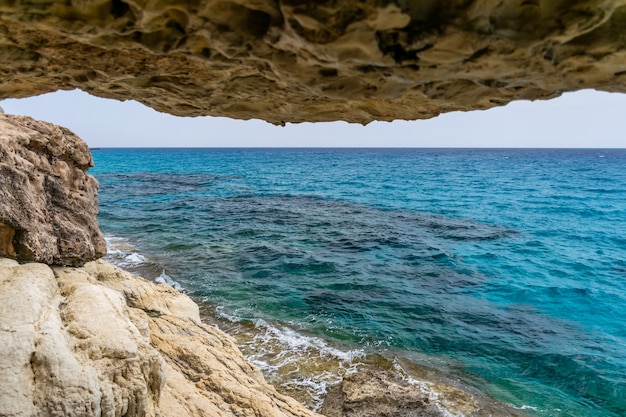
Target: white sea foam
{"type": "Point", "coordinates": [305, 366]}
{"type": "Point", "coordinates": [135, 259]}
{"type": "Point", "coordinates": [299, 342]}
{"type": "Point", "coordinates": [121, 253]}
{"type": "Point", "coordinates": [167, 280]}
{"type": "Point", "coordinates": [114, 244]}
{"type": "Point", "coordinates": [428, 388]}
{"type": "Point", "coordinates": [536, 409]}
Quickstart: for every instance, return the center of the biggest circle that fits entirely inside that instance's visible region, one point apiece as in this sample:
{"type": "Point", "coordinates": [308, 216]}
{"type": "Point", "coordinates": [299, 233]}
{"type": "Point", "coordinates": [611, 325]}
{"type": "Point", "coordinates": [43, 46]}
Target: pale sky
{"type": "Point", "coordinates": [586, 119]}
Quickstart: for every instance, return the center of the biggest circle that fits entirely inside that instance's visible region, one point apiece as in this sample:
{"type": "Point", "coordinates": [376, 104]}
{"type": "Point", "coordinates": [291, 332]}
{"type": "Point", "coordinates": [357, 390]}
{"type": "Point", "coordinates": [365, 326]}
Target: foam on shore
{"type": "Point", "coordinates": [121, 252]}
{"type": "Point", "coordinates": [302, 366]}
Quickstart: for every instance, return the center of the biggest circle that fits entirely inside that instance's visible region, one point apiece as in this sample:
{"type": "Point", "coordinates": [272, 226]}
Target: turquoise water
{"type": "Point", "coordinates": [504, 268]}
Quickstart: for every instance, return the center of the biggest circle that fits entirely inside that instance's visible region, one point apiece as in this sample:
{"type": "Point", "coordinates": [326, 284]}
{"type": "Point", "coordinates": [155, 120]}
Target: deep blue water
{"type": "Point", "coordinates": [506, 268]}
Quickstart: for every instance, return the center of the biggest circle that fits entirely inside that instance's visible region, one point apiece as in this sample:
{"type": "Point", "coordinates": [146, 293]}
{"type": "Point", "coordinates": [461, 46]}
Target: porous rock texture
{"type": "Point", "coordinates": [98, 341]}
{"type": "Point", "coordinates": [295, 61]}
{"type": "Point", "coordinates": [48, 204]}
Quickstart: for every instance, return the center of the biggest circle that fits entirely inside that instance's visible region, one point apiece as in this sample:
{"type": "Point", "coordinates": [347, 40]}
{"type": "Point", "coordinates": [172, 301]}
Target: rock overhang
{"type": "Point", "coordinates": [296, 61]}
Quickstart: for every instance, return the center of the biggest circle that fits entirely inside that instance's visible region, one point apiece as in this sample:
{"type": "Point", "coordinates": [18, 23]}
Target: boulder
{"type": "Point", "coordinates": [296, 61]}
{"type": "Point", "coordinates": [378, 393]}
{"type": "Point", "coordinates": [383, 388]}
{"type": "Point", "coordinates": [48, 204]}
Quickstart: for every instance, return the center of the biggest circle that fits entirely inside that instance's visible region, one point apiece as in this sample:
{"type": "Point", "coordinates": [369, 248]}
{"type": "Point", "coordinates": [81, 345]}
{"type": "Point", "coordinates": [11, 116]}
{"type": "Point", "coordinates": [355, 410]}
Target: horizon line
{"type": "Point", "coordinates": [358, 147]}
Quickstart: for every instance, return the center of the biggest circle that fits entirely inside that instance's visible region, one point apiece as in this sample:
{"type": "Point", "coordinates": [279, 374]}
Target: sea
{"type": "Point", "coordinates": [499, 271]}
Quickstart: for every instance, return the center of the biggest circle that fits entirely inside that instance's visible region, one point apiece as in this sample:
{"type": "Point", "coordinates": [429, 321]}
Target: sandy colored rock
{"type": "Point", "coordinates": [295, 61]}
{"type": "Point", "coordinates": [48, 203]}
{"type": "Point", "coordinates": [98, 341]}
{"type": "Point", "coordinates": [69, 348]}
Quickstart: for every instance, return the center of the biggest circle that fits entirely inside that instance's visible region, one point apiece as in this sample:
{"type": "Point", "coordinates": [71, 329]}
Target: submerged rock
{"type": "Point", "coordinates": [384, 388]}
{"type": "Point", "coordinates": [296, 61]}
{"type": "Point", "coordinates": [48, 204]}
{"type": "Point", "coordinates": [98, 341]}
{"type": "Point", "coordinates": [377, 393]}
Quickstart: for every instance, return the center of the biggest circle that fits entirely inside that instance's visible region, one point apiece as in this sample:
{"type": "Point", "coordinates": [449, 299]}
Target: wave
{"type": "Point", "coordinates": [303, 366]}
{"type": "Point", "coordinates": [121, 252]}
{"type": "Point", "coordinates": [167, 280]}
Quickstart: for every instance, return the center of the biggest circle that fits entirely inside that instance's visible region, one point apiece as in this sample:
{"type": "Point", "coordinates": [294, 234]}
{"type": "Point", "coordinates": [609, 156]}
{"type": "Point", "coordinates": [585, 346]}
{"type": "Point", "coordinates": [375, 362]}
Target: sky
{"type": "Point", "coordinates": [585, 119]}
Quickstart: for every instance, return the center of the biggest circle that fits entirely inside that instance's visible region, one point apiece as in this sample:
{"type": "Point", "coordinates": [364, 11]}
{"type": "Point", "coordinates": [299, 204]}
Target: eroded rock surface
{"type": "Point", "coordinates": [98, 341]}
{"type": "Point", "coordinates": [295, 61]}
{"type": "Point", "coordinates": [382, 389]}
{"type": "Point", "coordinates": [378, 393]}
{"type": "Point", "coordinates": [48, 204]}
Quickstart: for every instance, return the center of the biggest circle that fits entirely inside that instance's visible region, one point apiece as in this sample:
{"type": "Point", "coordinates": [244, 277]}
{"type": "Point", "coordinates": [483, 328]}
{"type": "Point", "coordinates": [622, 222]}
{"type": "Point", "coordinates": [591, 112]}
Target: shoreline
{"type": "Point", "coordinates": [300, 374]}
{"type": "Point", "coordinates": [98, 340]}
{"type": "Point", "coordinates": [307, 367]}
{"type": "Point", "coordinates": [83, 325]}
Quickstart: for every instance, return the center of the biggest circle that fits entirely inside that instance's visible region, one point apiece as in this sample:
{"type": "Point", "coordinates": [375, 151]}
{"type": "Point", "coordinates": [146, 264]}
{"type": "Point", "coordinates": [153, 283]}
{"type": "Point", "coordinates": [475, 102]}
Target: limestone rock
{"type": "Point", "coordinates": [98, 341]}
{"type": "Point", "coordinates": [381, 388]}
{"type": "Point", "coordinates": [69, 348]}
{"type": "Point", "coordinates": [48, 204]}
{"type": "Point", "coordinates": [377, 393]}
{"type": "Point", "coordinates": [294, 61]}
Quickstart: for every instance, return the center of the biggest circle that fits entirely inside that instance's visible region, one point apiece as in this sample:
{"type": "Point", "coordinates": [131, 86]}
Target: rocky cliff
{"type": "Point", "coordinates": [295, 61]}
{"type": "Point", "coordinates": [48, 203]}
{"type": "Point", "coordinates": [98, 341]}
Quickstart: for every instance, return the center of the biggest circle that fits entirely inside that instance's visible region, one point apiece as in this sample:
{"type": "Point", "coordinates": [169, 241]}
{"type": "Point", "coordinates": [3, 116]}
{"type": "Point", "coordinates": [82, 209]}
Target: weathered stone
{"type": "Point", "coordinates": [69, 348]}
{"type": "Point", "coordinates": [296, 61]}
{"type": "Point", "coordinates": [98, 341]}
{"type": "Point", "coordinates": [48, 204]}
{"type": "Point", "coordinates": [381, 388]}
{"type": "Point", "coordinates": [377, 393]}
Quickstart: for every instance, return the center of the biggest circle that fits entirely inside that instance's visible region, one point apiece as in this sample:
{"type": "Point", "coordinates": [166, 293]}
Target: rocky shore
{"type": "Point", "coordinates": [82, 337]}
{"type": "Point", "coordinates": [93, 340]}
{"type": "Point", "coordinates": [98, 341]}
